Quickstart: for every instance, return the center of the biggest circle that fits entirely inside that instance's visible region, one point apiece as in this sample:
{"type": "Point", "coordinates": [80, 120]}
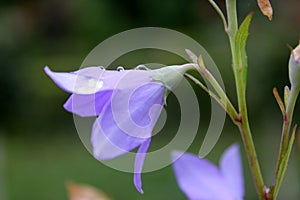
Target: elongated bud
{"type": "Point", "coordinates": [294, 68]}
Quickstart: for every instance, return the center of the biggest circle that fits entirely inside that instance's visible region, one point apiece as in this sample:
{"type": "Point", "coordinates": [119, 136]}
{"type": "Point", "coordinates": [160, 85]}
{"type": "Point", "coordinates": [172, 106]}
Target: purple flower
{"type": "Point", "coordinates": [127, 104]}
{"type": "Point", "coordinates": [199, 179]}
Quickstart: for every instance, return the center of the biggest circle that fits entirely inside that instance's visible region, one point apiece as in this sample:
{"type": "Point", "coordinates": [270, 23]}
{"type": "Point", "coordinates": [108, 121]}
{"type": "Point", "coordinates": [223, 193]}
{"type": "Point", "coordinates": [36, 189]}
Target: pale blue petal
{"type": "Point", "coordinates": [115, 133]}
{"type": "Point", "coordinates": [88, 105]}
{"type": "Point", "coordinates": [199, 179]}
{"type": "Point", "coordinates": [93, 79]}
{"type": "Point", "coordinates": [111, 142]}
{"type": "Point", "coordinates": [232, 170]}
{"type": "Point", "coordinates": [136, 110]}
{"type": "Point", "coordinates": [84, 81]}
{"type": "Point", "coordinates": [138, 165]}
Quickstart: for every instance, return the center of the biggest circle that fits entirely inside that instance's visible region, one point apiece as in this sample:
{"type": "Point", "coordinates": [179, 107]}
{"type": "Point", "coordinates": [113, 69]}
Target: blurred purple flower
{"type": "Point", "coordinates": [127, 103]}
{"type": "Point", "coordinates": [199, 179]}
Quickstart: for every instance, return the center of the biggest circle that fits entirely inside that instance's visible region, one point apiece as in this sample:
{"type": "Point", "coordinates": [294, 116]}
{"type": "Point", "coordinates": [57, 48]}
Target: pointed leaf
{"type": "Point", "coordinates": [240, 42]}
{"type": "Point", "coordinates": [279, 101]}
{"type": "Point", "coordinates": [192, 56]}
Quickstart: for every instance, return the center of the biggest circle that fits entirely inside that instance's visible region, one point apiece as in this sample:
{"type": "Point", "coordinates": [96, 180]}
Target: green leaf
{"type": "Point", "coordinates": [240, 48]}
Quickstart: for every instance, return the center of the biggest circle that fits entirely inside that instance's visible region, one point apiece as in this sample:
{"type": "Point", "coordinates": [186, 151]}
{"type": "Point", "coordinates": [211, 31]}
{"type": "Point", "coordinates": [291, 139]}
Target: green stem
{"type": "Point", "coordinates": [219, 11]}
{"type": "Point", "coordinates": [243, 123]}
{"type": "Point", "coordinates": [219, 90]}
{"type": "Point", "coordinates": [289, 115]}
{"type": "Point", "coordinates": [250, 148]}
{"type": "Point", "coordinates": [222, 99]}
{"type": "Point", "coordinates": [284, 145]}
{"type": "Point", "coordinates": [232, 18]}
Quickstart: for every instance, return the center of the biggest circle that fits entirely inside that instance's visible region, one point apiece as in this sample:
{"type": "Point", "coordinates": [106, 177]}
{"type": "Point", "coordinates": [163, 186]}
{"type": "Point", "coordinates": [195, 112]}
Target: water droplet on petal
{"type": "Point", "coordinates": [101, 67]}
{"type": "Point", "coordinates": [142, 67]}
{"type": "Point", "coordinates": [96, 84]}
{"type": "Point", "coordinates": [89, 86]}
{"type": "Point", "coordinates": [120, 68]}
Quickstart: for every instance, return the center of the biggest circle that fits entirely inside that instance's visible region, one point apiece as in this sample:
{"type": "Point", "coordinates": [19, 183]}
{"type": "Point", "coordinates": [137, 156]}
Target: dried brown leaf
{"type": "Point", "coordinates": [84, 192]}
{"type": "Point", "coordinates": [266, 8]}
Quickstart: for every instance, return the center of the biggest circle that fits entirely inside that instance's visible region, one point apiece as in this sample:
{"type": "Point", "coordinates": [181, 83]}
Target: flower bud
{"type": "Point", "coordinates": [294, 68]}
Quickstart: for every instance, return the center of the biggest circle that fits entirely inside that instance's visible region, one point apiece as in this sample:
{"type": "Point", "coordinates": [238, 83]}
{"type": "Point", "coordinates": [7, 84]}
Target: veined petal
{"type": "Point", "coordinates": [199, 179]}
{"type": "Point", "coordinates": [138, 165]}
{"type": "Point", "coordinates": [88, 105]}
{"type": "Point", "coordinates": [146, 103]}
{"type": "Point", "coordinates": [127, 121]}
{"type": "Point", "coordinates": [232, 170]}
{"type": "Point", "coordinates": [136, 110]}
{"type": "Point", "coordinates": [109, 142]}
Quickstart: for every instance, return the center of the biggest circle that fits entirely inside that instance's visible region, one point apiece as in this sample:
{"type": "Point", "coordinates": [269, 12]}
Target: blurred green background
{"type": "Point", "coordinates": [39, 147]}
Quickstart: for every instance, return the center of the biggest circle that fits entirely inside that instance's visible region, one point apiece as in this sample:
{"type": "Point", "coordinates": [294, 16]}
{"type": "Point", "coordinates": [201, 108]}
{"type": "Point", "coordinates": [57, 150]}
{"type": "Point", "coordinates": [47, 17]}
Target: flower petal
{"type": "Point", "coordinates": [138, 165]}
{"type": "Point", "coordinates": [232, 170]}
{"type": "Point", "coordinates": [84, 81]}
{"type": "Point", "coordinates": [117, 131]}
{"type": "Point", "coordinates": [93, 79]}
{"type": "Point", "coordinates": [136, 110]}
{"type": "Point", "coordinates": [199, 179]}
{"type": "Point", "coordinates": [88, 105]}
{"type": "Point", "coordinates": [109, 142]}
